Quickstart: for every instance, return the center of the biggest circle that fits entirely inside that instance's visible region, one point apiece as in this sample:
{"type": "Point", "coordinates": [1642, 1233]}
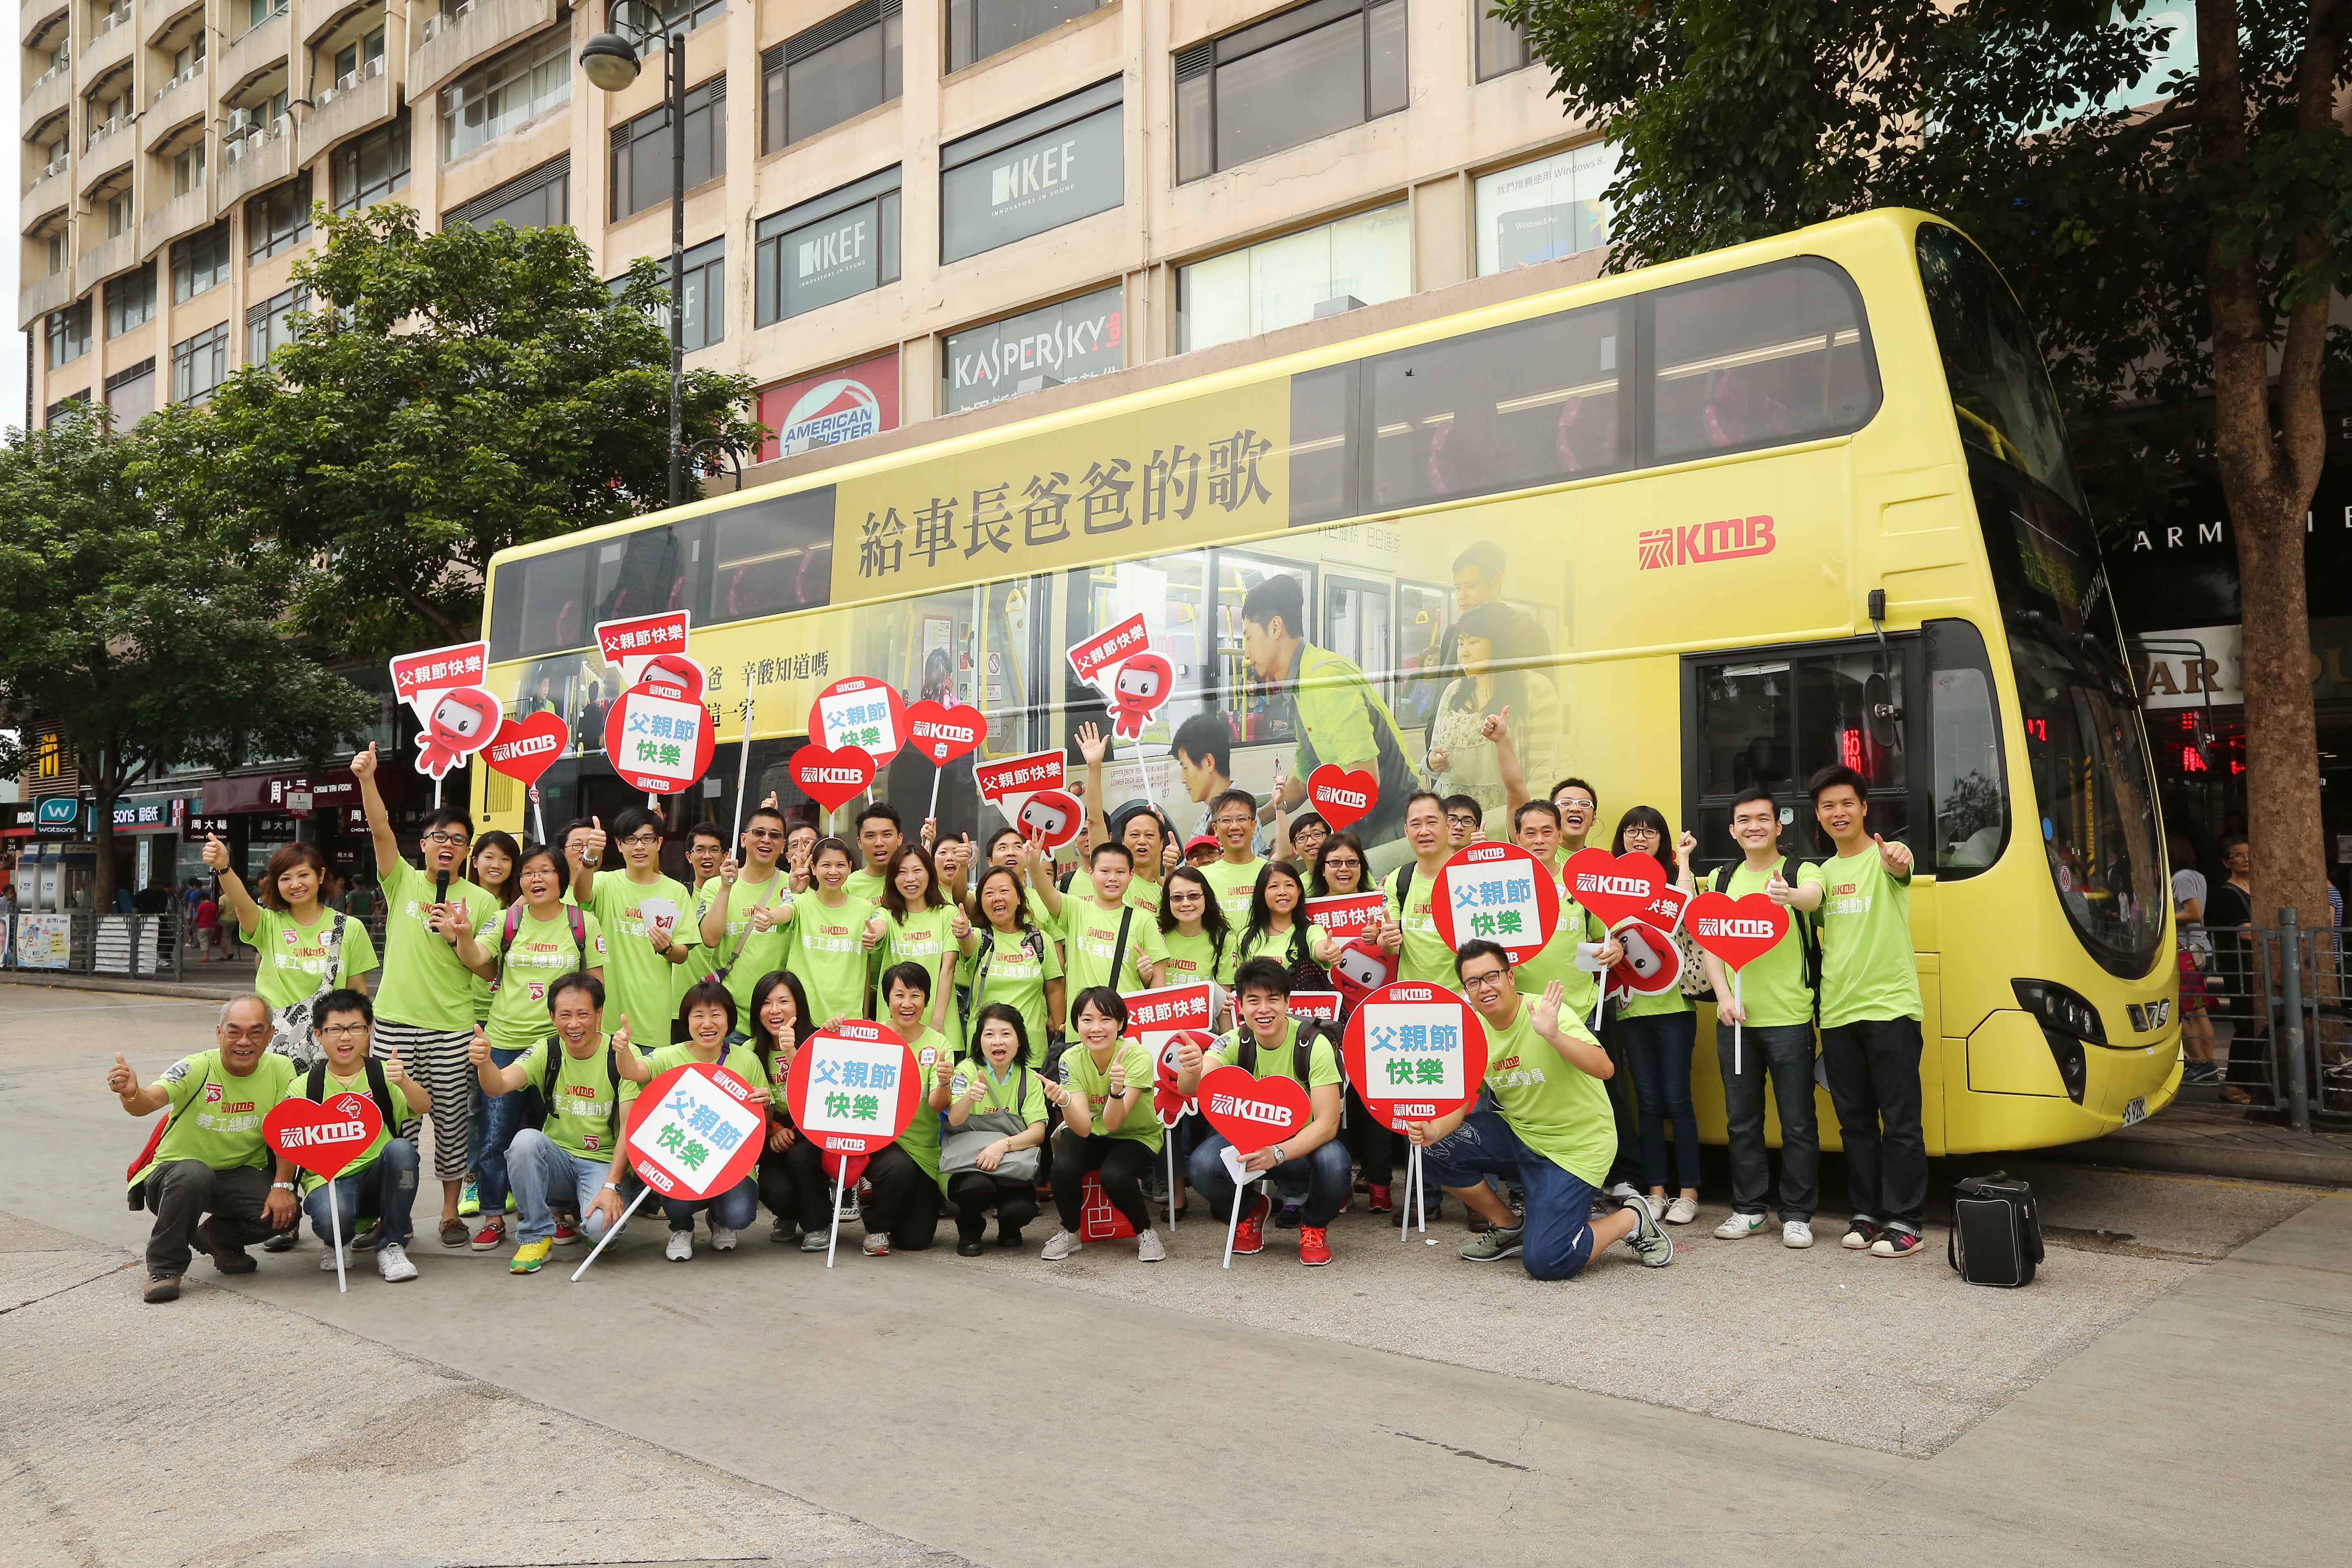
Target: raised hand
{"type": "Point", "coordinates": [1187, 1053]}
{"type": "Point", "coordinates": [1777, 890]}
{"type": "Point", "coordinates": [1895, 857]}
{"type": "Point", "coordinates": [1497, 724]}
{"type": "Point", "coordinates": [765, 916]}
{"type": "Point", "coordinates": [959, 924]}
{"type": "Point", "coordinates": [621, 1036]}
{"type": "Point", "coordinates": [592, 847]}
{"type": "Point", "coordinates": [455, 920]}
{"type": "Point", "coordinates": [728, 870]}
{"type": "Point", "coordinates": [1438, 761]}
{"type": "Point", "coordinates": [363, 765]}
{"type": "Point", "coordinates": [871, 937]}
{"type": "Point", "coordinates": [1118, 1079]}
{"type": "Point", "coordinates": [1546, 1017]}
{"type": "Point", "coordinates": [930, 832]}
{"type": "Point", "coordinates": [1609, 955]}
{"type": "Point", "coordinates": [121, 1079]}
{"type": "Point", "coordinates": [1091, 744]}
{"type": "Point", "coordinates": [215, 853]}
{"type": "Point", "coordinates": [478, 1053]}
{"type": "Point", "coordinates": [1684, 846]}
{"type": "Point", "coordinates": [393, 1072]}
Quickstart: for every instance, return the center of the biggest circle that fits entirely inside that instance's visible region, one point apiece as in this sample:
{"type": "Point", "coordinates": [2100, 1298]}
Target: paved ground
{"type": "Point", "coordinates": [1400, 1407]}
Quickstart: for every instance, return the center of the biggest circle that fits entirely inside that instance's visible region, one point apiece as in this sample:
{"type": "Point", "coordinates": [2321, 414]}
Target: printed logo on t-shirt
{"type": "Point", "coordinates": [293, 937]}
{"type": "Point", "coordinates": [1507, 1074]}
{"type": "Point", "coordinates": [212, 1094]}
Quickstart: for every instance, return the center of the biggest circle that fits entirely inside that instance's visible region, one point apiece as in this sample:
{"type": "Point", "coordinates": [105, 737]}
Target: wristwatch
{"type": "Point", "coordinates": [612, 1186]}
{"type": "Point", "coordinates": [281, 1186]}
{"type": "Point", "coordinates": [1275, 1150]}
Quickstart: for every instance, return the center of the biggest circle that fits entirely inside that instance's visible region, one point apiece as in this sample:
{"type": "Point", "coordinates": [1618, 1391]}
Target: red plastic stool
{"type": "Point", "coordinates": [1097, 1219]}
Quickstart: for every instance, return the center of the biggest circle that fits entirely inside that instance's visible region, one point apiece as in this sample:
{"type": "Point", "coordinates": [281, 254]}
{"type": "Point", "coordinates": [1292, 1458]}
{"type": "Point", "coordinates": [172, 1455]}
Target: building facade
{"type": "Point", "coordinates": [894, 211]}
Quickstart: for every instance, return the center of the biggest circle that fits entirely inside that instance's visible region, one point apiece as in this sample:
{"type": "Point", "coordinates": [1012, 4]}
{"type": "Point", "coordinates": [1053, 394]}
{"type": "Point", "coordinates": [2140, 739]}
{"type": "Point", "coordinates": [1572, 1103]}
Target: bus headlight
{"type": "Point", "coordinates": [2067, 1021]}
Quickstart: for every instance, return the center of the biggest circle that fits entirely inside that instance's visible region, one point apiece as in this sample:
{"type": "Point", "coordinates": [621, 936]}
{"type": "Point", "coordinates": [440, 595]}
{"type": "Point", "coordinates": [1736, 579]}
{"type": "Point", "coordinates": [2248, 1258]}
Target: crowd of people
{"type": "Point", "coordinates": [527, 992]}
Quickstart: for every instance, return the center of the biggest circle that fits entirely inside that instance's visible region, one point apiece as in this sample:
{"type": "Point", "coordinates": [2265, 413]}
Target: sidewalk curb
{"type": "Point", "coordinates": [184, 991]}
{"type": "Point", "coordinates": [2192, 1160]}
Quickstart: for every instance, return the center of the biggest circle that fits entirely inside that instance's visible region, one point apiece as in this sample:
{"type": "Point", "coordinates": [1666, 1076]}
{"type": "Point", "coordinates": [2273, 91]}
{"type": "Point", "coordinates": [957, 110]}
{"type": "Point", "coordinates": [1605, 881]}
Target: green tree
{"type": "Point", "coordinates": [447, 396]}
{"type": "Point", "coordinates": [144, 639]}
{"type": "Point", "coordinates": [2181, 254]}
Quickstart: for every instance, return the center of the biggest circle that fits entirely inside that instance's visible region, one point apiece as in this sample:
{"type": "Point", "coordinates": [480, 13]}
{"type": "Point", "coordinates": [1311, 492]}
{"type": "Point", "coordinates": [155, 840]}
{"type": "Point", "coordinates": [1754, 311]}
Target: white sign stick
{"type": "Point", "coordinates": [610, 1232]}
{"type": "Point", "coordinates": [1404, 1209]}
{"type": "Point", "coordinates": [1232, 1222]}
{"type": "Point", "coordinates": [1169, 1144]}
{"type": "Point", "coordinates": [653, 802]}
{"type": "Point", "coordinates": [335, 1228]}
{"type": "Point", "coordinates": [1739, 1002]}
{"type": "Point", "coordinates": [840, 1180]}
{"type": "Point", "coordinates": [436, 794]}
{"type": "Point", "coordinates": [537, 821]}
{"type": "Point", "coordinates": [933, 815]}
{"type": "Point", "coordinates": [742, 772]}
{"type": "Point", "coordinates": [1420, 1194]}
{"type": "Point", "coordinates": [1600, 1002]}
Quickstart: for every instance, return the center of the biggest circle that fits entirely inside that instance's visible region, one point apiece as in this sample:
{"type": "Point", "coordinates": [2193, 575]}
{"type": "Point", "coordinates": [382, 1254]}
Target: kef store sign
{"type": "Point", "coordinates": [1052, 166]}
{"type": "Point", "coordinates": [857, 400]}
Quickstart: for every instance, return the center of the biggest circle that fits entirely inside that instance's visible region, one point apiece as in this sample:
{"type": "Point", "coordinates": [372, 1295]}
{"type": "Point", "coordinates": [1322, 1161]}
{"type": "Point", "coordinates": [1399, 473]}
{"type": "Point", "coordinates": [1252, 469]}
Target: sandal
{"type": "Point", "coordinates": [2233, 1095]}
{"type": "Point", "coordinates": [454, 1232]}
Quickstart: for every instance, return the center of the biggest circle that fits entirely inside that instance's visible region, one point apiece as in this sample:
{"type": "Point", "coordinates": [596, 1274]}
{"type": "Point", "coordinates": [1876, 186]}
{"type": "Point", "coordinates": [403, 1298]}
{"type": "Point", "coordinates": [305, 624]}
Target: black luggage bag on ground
{"type": "Point", "coordinates": [1996, 1231]}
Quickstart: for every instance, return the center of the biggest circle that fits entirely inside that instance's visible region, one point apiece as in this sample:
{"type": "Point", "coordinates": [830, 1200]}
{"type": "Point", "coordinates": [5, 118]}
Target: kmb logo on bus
{"type": "Point", "coordinates": [1727, 539]}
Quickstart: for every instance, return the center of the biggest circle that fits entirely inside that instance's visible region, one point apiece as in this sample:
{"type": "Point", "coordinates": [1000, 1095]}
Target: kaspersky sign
{"type": "Point", "coordinates": [857, 400]}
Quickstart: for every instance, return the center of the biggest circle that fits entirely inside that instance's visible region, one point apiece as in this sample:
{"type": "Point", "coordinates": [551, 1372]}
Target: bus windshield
{"type": "Point", "coordinates": [2082, 733]}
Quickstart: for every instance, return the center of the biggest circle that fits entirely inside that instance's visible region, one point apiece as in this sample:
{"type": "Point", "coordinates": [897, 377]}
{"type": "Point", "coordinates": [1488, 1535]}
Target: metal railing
{"type": "Point", "coordinates": [169, 946]}
{"type": "Point", "coordinates": [2283, 995]}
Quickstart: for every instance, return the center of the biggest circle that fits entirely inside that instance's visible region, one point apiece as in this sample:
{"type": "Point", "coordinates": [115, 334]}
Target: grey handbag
{"type": "Point", "coordinates": [960, 1150]}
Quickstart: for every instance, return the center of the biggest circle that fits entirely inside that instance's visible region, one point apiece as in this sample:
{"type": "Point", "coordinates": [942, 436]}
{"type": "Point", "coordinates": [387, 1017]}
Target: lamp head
{"type": "Point", "coordinates": [609, 61]}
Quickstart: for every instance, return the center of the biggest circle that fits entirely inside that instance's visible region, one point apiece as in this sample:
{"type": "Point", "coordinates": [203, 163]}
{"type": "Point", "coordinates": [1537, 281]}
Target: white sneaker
{"type": "Point", "coordinates": [1796, 1233]}
{"type": "Point", "coordinates": [391, 1262]}
{"type": "Point", "coordinates": [1149, 1249]}
{"type": "Point", "coordinates": [1681, 1211]}
{"type": "Point", "coordinates": [681, 1246]}
{"type": "Point", "coordinates": [1740, 1225]}
{"type": "Point", "coordinates": [1655, 1247]}
{"type": "Point", "coordinates": [721, 1240]}
{"type": "Point", "coordinates": [326, 1264]}
{"type": "Point", "coordinates": [1060, 1244]}
{"type": "Point", "coordinates": [1624, 1191]}
{"type": "Point", "coordinates": [848, 1210]}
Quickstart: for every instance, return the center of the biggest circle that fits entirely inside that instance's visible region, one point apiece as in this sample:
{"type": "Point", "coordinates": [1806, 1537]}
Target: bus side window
{"type": "Point", "coordinates": [772, 556]}
{"type": "Point", "coordinates": [1775, 719]}
{"type": "Point", "coordinates": [1966, 781]}
{"type": "Point", "coordinates": [1769, 355]}
{"type": "Point", "coordinates": [539, 605]}
{"type": "Point", "coordinates": [651, 572]}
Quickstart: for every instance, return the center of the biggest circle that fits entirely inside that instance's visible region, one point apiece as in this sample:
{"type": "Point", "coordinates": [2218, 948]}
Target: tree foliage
{"type": "Point", "coordinates": [447, 396]}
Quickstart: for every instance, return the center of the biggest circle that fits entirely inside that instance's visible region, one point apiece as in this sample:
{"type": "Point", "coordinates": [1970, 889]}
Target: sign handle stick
{"type": "Point", "coordinates": [335, 1228]}
{"type": "Point", "coordinates": [612, 1231]}
{"type": "Point", "coordinates": [933, 815]}
{"type": "Point", "coordinates": [1741, 1003]}
{"type": "Point", "coordinates": [538, 818]}
{"type": "Point", "coordinates": [653, 802]}
{"type": "Point", "coordinates": [742, 772]}
{"type": "Point", "coordinates": [1169, 1144]}
{"type": "Point", "coordinates": [437, 791]}
{"type": "Point", "coordinates": [1234, 1220]}
{"type": "Point", "coordinates": [840, 1180]}
{"type": "Point", "coordinates": [1419, 1190]}
{"type": "Point", "coordinates": [1404, 1209]}
{"type": "Point", "coordinates": [1599, 1003]}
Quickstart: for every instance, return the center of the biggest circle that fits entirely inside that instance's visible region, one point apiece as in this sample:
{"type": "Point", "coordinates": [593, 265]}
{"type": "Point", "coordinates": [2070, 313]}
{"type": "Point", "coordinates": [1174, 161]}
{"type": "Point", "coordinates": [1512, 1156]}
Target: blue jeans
{"type": "Point", "coordinates": [734, 1209]}
{"type": "Point", "coordinates": [1324, 1169]}
{"type": "Point", "coordinates": [1557, 1242]}
{"type": "Point", "coordinates": [503, 1116]}
{"type": "Point", "coordinates": [1659, 1046]}
{"type": "Point", "coordinates": [539, 1169]}
{"type": "Point", "coordinates": [385, 1188]}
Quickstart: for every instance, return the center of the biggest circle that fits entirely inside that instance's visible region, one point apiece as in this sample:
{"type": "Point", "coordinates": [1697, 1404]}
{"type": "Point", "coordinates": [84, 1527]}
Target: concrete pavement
{"type": "Point", "coordinates": [2140, 1403]}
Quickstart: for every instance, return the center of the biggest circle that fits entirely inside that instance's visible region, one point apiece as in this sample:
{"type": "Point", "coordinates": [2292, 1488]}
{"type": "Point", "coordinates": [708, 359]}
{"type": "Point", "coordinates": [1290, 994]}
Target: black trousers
{"type": "Point", "coordinates": [184, 1192]}
{"type": "Point", "coordinates": [1124, 1163]}
{"type": "Point", "coordinates": [794, 1186]}
{"type": "Point", "coordinates": [1781, 1054]}
{"type": "Point", "coordinates": [974, 1193]}
{"type": "Point", "coordinates": [1873, 1066]}
{"type": "Point", "coordinates": [905, 1202]}
{"type": "Point", "coordinates": [1369, 1141]}
{"type": "Point", "coordinates": [1622, 1107]}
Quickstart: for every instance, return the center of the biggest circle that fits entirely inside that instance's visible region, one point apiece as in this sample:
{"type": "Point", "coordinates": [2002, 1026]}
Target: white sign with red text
{"type": "Point", "coordinates": [630, 643]}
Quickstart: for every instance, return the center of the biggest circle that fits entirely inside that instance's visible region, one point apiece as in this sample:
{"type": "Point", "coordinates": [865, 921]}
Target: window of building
{"type": "Point", "coordinates": [1279, 282]}
{"type": "Point", "coordinates": [533, 200]}
{"type": "Point", "coordinates": [366, 169]}
{"type": "Point", "coordinates": [199, 364]}
{"type": "Point", "coordinates": [119, 214]}
{"type": "Point", "coordinates": [188, 168]}
{"type": "Point", "coordinates": [1055, 165]}
{"type": "Point", "coordinates": [356, 56]}
{"type": "Point", "coordinates": [1502, 48]}
{"type": "Point", "coordinates": [131, 300]}
{"type": "Point", "coordinates": [827, 250]}
{"type": "Point", "coordinates": [269, 326]}
{"type": "Point", "coordinates": [686, 16]}
{"type": "Point", "coordinates": [979, 28]}
{"type": "Point", "coordinates": [255, 12]}
{"type": "Point", "coordinates": [277, 219]}
{"type": "Point", "coordinates": [642, 153]}
{"type": "Point", "coordinates": [54, 252]}
{"type": "Point", "coordinates": [1543, 209]}
{"type": "Point", "coordinates": [199, 262]}
{"type": "Point", "coordinates": [1304, 73]}
{"type": "Point", "coordinates": [130, 392]}
{"type": "Point", "coordinates": [1034, 349]}
{"type": "Point", "coordinates": [187, 57]}
{"type": "Point", "coordinates": [703, 282]}
{"type": "Point", "coordinates": [833, 71]}
{"type": "Point", "coordinates": [506, 93]}
{"type": "Point", "coordinates": [68, 334]}
{"type": "Point", "coordinates": [71, 403]}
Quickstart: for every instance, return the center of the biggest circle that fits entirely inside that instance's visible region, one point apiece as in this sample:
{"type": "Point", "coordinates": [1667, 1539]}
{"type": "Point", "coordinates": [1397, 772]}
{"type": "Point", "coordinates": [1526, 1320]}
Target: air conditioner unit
{"type": "Point", "coordinates": [328, 95]}
{"type": "Point", "coordinates": [279, 127]}
{"type": "Point", "coordinates": [239, 121]}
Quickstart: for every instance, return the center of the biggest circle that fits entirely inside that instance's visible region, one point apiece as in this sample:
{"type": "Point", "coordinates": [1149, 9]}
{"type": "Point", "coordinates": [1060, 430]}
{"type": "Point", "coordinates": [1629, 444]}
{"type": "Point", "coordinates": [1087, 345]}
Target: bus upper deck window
{"type": "Point", "coordinates": [1772, 354]}
{"type": "Point", "coordinates": [541, 605]}
{"type": "Point", "coordinates": [772, 556]}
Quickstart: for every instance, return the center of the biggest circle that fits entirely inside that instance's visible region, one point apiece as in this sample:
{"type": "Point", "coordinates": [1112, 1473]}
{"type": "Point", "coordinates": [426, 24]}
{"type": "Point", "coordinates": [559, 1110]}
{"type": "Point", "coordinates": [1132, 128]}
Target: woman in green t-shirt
{"type": "Point", "coordinates": [1658, 1033]}
{"type": "Point", "coordinates": [916, 924]}
{"type": "Point", "coordinates": [708, 1013]}
{"type": "Point", "coordinates": [496, 858]}
{"type": "Point", "coordinates": [995, 1105]}
{"type": "Point", "coordinates": [1277, 931]}
{"type": "Point", "coordinates": [901, 1211]}
{"type": "Point", "coordinates": [1014, 962]}
{"type": "Point", "coordinates": [829, 936]}
{"type": "Point", "coordinates": [292, 929]}
{"type": "Point", "coordinates": [791, 1173]}
{"type": "Point", "coordinates": [1192, 927]}
{"type": "Point", "coordinates": [1107, 1125]}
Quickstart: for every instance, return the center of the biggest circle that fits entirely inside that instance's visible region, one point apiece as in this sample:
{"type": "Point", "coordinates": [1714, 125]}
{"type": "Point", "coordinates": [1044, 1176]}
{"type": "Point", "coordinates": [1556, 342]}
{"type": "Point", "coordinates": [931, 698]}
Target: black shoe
{"type": "Point", "coordinates": [279, 1241]}
{"type": "Point", "coordinates": [227, 1259]}
{"type": "Point", "coordinates": [163, 1287]}
{"type": "Point", "coordinates": [1288, 1218]}
{"type": "Point", "coordinates": [969, 1247]}
{"type": "Point", "coordinates": [1008, 1239]}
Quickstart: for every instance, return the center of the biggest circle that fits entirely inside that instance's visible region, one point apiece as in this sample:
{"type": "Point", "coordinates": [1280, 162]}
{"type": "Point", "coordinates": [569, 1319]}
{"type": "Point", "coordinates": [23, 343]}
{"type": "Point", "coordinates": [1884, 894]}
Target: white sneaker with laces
{"type": "Point", "coordinates": [1650, 1243]}
{"type": "Point", "coordinates": [1681, 1211]}
{"type": "Point", "coordinates": [391, 1262]}
{"type": "Point", "coordinates": [1796, 1233]}
{"type": "Point", "coordinates": [1740, 1225]}
{"type": "Point", "coordinates": [326, 1264]}
{"type": "Point", "coordinates": [1149, 1249]}
{"type": "Point", "coordinates": [681, 1246]}
{"type": "Point", "coordinates": [1622, 1191]}
{"type": "Point", "coordinates": [1060, 1244]}
{"type": "Point", "coordinates": [721, 1240]}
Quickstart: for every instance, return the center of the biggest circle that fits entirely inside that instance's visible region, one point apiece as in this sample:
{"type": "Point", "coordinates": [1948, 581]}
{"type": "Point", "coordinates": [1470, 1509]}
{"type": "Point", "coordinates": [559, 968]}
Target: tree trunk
{"type": "Point", "coordinates": [2282, 821]}
{"type": "Point", "coordinates": [104, 796]}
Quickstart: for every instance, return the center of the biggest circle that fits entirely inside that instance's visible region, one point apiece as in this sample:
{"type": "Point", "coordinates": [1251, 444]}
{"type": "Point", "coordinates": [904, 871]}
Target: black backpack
{"type": "Point", "coordinates": [554, 1070]}
{"type": "Point", "coordinates": [1807, 923]}
{"type": "Point", "coordinates": [1302, 1049]}
{"type": "Point", "coordinates": [378, 1091]}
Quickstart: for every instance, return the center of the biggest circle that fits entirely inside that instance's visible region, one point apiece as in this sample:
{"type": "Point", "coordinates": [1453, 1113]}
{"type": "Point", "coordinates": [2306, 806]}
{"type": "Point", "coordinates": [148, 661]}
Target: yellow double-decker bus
{"type": "Point", "coordinates": [1803, 501]}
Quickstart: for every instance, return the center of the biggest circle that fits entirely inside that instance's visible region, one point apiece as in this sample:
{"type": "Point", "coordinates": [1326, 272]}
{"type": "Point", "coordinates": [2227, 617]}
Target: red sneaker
{"type": "Point", "coordinates": [1250, 1234]}
{"type": "Point", "coordinates": [1313, 1250]}
{"type": "Point", "coordinates": [566, 1233]}
{"type": "Point", "coordinates": [491, 1236]}
{"type": "Point", "coordinates": [1381, 1201]}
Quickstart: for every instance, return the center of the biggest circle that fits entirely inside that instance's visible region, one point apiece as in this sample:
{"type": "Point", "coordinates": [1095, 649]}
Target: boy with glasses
{"type": "Point", "coordinates": [642, 911]}
{"type": "Point", "coordinates": [741, 911]}
{"type": "Point", "coordinates": [382, 1182]}
{"type": "Point", "coordinates": [1463, 820]}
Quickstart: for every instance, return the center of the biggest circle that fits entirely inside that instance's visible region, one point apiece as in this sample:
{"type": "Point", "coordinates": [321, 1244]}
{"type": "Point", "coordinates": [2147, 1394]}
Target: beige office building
{"type": "Point", "coordinates": [895, 211]}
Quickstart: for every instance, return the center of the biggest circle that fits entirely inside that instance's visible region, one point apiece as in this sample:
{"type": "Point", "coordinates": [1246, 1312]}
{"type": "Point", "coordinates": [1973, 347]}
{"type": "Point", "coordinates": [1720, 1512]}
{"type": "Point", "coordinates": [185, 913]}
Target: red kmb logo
{"type": "Point", "coordinates": [1727, 539]}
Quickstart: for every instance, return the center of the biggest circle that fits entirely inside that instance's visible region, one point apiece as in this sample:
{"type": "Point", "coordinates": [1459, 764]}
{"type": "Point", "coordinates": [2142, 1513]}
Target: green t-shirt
{"type": "Point", "coordinates": [1425, 957]}
{"type": "Point", "coordinates": [356, 1084]}
{"type": "Point", "coordinates": [748, 953]}
{"type": "Point", "coordinates": [217, 1118]}
{"type": "Point", "coordinates": [1193, 958]}
{"type": "Point", "coordinates": [1081, 1076]}
{"type": "Point", "coordinates": [736, 1056]}
{"type": "Point", "coordinates": [1278, 945]}
{"type": "Point", "coordinates": [1580, 988]}
{"type": "Point", "coordinates": [1017, 965]}
{"type": "Point", "coordinates": [1322, 1065]}
{"type": "Point", "coordinates": [933, 1055]}
{"type": "Point", "coordinates": [1233, 885]}
{"type": "Point", "coordinates": [1020, 1091]}
{"type": "Point", "coordinates": [699, 960]}
{"type": "Point", "coordinates": [924, 939]}
{"type": "Point", "coordinates": [1771, 989]}
{"type": "Point", "coordinates": [1559, 1111]}
{"type": "Point", "coordinates": [543, 952]}
{"type": "Point", "coordinates": [1091, 937]}
{"type": "Point", "coordinates": [864, 884]}
{"type": "Point", "coordinates": [583, 1117]}
{"type": "Point", "coordinates": [1868, 967]}
{"type": "Point", "coordinates": [638, 985]}
{"type": "Point", "coordinates": [1335, 705]}
{"type": "Point", "coordinates": [423, 985]}
{"type": "Point", "coordinates": [294, 957]}
{"type": "Point", "coordinates": [827, 950]}
{"type": "Point", "coordinates": [1144, 895]}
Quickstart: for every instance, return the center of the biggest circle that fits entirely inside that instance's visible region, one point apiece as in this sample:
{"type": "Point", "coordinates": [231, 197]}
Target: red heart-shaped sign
{"type": "Point", "coordinates": [323, 1138]}
{"type": "Point", "coordinates": [1253, 1112]}
{"type": "Point", "coordinates": [527, 749]}
{"type": "Point", "coordinates": [831, 777]}
{"type": "Point", "coordinates": [1738, 932]}
{"type": "Point", "coordinates": [1614, 886]}
{"type": "Point", "coordinates": [943, 733]}
{"type": "Point", "coordinates": [1341, 797]}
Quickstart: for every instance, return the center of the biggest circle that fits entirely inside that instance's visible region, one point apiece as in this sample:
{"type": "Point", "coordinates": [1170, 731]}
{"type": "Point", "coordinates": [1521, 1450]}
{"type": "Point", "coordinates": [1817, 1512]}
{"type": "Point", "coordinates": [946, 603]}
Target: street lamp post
{"type": "Point", "coordinates": [612, 61]}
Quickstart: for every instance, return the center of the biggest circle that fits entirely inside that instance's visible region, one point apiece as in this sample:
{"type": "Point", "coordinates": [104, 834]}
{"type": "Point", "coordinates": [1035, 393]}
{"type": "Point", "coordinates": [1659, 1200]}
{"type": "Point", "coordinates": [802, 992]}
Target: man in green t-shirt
{"type": "Point", "coordinates": [210, 1161]}
{"type": "Point", "coordinates": [382, 1181]}
{"type": "Point", "coordinates": [1772, 1009]}
{"type": "Point", "coordinates": [1339, 719]}
{"type": "Point", "coordinates": [739, 912]}
{"type": "Point", "coordinates": [1092, 926]}
{"type": "Point", "coordinates": [706, 851]}
{"type": "Point", "coordinates": [1233, 818]}
{"type": "Point", "coordinates": [1408, 928]}
{"type": "Point", "coordinates": [646, 920]}
{"type": "Point", "coordinates": [1544, 1121]}
{"type": "Point", "coordinates": [879, 834]}
{"type": "Point", "coordinates": [1870, 1014]}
